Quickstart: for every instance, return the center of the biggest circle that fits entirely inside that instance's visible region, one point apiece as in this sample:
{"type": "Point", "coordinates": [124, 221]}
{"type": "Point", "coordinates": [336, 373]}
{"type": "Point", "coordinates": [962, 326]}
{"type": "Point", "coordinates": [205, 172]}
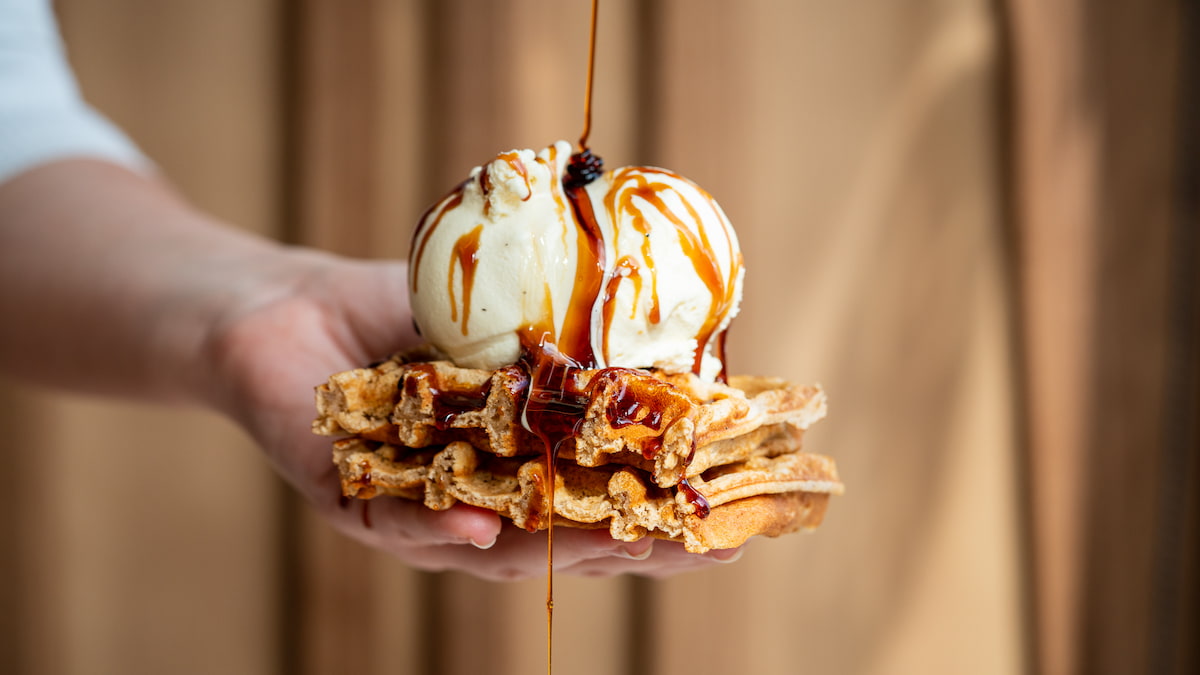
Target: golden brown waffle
{"type": "Point", "coordinates": [648, 420]}
{"type": "Point", "coordinates": [764, 495]}
{"type": "Point", "coordinates": [429, 431]}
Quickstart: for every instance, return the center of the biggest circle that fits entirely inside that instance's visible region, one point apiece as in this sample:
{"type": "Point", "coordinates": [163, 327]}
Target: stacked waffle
{"type": "Point", "coordinates": [664, 455]}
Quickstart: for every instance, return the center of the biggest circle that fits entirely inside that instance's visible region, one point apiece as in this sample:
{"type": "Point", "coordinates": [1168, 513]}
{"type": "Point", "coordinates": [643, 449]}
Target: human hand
{"type": "Point", "coordinates": [311, 315]}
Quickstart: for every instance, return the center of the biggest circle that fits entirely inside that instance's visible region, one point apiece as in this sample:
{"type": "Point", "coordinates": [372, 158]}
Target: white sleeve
{"type": "Point", "coordinates": [42, 115]}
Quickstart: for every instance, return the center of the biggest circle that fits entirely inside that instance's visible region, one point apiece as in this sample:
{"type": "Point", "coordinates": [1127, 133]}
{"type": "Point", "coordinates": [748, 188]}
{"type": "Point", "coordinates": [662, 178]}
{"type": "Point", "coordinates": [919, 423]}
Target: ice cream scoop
{"type": "Point", "coordinates": [638, 268]}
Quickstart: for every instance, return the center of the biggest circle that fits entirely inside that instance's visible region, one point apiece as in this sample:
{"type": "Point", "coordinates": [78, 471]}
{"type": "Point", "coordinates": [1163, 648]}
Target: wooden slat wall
{"type": "Point", "coordinates": [126, 566]}
{"type": "Point", "coordinates": [1100, 207]}
{"type": "Point", "coordinates": [858, 149]}
{"type": "Point", "coordinates": [863, 183]}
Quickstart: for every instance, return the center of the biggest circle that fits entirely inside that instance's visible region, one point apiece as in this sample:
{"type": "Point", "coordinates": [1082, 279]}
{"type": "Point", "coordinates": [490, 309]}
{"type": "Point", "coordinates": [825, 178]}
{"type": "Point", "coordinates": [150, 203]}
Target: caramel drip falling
{"type": "Point", "coordinates": [587, 96]}
{"type": "Point", "coordinates": [553, 411]}
{"type": "Point", "coordinates": [548, 400]}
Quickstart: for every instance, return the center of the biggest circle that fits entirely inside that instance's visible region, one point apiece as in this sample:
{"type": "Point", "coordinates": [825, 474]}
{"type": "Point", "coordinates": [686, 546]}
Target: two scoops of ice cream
{"type": "Point", "coordinates": [639, 265]}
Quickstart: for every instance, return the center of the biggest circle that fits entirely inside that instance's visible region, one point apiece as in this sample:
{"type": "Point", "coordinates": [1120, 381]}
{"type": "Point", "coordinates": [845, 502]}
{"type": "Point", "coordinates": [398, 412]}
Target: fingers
{"type": "Point", "coordinates": [460, 524]}
{"type": "Point", "coordinates": [663, 559]}
{"type": "Point", "coordinates": [517, 554]}
{"type": "Point", "coordinates": [473, 540]}
{"type": "Point", "coordinates": [479, 542]}
{"type": "Point", "coordinates": [398, 525]}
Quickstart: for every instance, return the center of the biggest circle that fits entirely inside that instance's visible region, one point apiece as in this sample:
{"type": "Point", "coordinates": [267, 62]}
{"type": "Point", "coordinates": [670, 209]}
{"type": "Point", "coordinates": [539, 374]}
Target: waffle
{"type": "Point", "coordinates": [649, 446]}
{"type": "Point", "coordinates": [770, 496]}
{"type": "Point", "coordinates": [397, 403]}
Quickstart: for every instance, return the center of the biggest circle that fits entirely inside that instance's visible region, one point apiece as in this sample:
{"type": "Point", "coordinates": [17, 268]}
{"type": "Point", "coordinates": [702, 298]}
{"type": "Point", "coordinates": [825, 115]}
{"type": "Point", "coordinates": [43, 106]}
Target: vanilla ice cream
{"type": "Point", "coordinates": [638, 268]}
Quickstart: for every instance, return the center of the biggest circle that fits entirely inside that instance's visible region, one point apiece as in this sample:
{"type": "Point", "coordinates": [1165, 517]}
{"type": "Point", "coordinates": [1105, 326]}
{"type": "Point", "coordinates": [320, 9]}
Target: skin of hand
{"type": "Point", "coordinates": [183, 308]}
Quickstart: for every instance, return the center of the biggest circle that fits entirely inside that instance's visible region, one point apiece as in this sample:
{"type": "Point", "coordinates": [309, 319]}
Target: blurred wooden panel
{"type": "Point", "coordinates": [854, 148]}
{"type": "Point", "coordinates": [147, 538]}
{"type": "Point", "coordinates": [1132, 50]}
{"type": "Point", "coordinates": [1176, 594]}
{"type": "Point", "coordinates": [20, 552]}
{"type": "Point", "coordinates": [197, 86]}
{"type": "Point", "coordinates": [511, 75]}
{"type": "Point", "coordinates": [1056, 145]}
{"type": "Point", "coordinates": [155, 551]}
{"type": "Point", "coordinates": [350, 609]}
{"type": "Point", "coordinates": [1096, 90]}
{"type": "Point", "coordinates": [397, 101]}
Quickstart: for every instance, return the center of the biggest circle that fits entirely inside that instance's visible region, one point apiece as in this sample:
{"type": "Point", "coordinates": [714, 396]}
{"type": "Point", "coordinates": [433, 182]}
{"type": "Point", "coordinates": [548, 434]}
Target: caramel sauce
{"type": "Point", "coordinates": [514, 160]}
{"type": "Point", "coordinates": [448, 404]}
{"type": "Point", "coordinates": [427, 227]}
{"type": "Point", "coordinates": [644, 401]}
{"type": "Point", "coordinates": [694, 498]}
{"type": "Point", "coordinates": [690, 493]}
{"type": "Point", "coordinates": [587, 95]}
{"type": "Point", "coordinates": [555, 409]}
{"type": "Point", "coordinates": [719, 351]}
{"type": "Point", "coordinates": [363, 481]}
{"type": "Point", "coordinates": [466, 254]}
{"type": "Point", "coordinates": [556, 191]}
{"type": "Point", "coordinates": [576, 338]}
{"type": "Point", "coordinates": [552, 411]}
{"type": "Point", "coordinates": [626, 268]}
{"type": "Point", "coordinates": [630, 406]}
{"type": "Point", "coordinates": [640, 399]}
{"type": "Point", "coordinates": [652, 446]}
{"type": "Point", "coordinates": [633, 189]}
{"type": "Point", "coordinates": [485, 186]}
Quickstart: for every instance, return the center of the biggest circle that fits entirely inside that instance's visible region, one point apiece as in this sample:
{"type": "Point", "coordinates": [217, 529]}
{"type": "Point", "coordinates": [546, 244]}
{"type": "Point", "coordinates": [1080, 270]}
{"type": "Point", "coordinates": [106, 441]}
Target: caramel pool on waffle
{"type": "Point", "coordinates": [665, 455]}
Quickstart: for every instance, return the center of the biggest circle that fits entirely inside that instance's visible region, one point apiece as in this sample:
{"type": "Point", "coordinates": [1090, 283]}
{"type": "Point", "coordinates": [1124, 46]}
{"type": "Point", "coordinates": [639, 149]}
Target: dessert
{"type": "Point", "coordinates": [575, 373]}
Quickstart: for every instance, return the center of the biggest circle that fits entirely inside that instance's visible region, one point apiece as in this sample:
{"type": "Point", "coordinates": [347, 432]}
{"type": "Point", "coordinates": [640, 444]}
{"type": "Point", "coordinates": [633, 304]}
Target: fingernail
{"type": "Point", "coordinates": [631, 552]}
{"type": "Point", "coordinates": [726, 556]}
{"type": "Point", "coordinates": [483, 545]}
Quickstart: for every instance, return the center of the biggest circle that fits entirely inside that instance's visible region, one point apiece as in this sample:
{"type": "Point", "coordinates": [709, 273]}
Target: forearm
{"type": "Point", "coordinates": [110, 283]}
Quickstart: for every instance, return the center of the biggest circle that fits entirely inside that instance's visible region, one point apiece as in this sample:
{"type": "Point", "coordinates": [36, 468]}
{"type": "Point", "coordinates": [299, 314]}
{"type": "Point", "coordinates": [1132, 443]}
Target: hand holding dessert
{"type": "Point", "coordinates": [576, 371]}
{"type": "Point", "coordinates": [331, 314]}
{"type": "Point", "coordinates": [120, 288]}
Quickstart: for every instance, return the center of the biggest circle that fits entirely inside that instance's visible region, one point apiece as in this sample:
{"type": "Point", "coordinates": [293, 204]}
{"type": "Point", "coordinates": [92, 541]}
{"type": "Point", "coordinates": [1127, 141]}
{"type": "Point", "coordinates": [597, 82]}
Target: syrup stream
{"type": "Point", "coordinates": [548, 370]}
{"type": "Point", "coordinates": [587, 97]}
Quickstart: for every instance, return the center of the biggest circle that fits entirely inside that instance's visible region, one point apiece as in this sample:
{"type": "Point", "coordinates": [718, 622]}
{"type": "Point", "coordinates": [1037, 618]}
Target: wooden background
{"type": "Point", "coordinates": [974, 222]}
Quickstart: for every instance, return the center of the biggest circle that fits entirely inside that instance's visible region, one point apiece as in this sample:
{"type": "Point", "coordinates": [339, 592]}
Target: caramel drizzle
{"type": "Point", "coordinates": [560, 199]}
{"type": "Point", "coordinates": [427, 227]}
{"type": "Point", "coordinates": [513, 159]}
{"type": "Point", "coordinates": [466, 255]}
{"type": "Point", "coordinates": [448, 404]}
{"type": "Point", "coordinates": [576, 337]}
{"type": "Point", "coordinates": [552, 411]}
{"type": "Point", "coordinates": [626, 268]}
{"type": "Point", "coordinates": [633, 183]}
{"type": "Point", "coordinates": [587, 96]}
